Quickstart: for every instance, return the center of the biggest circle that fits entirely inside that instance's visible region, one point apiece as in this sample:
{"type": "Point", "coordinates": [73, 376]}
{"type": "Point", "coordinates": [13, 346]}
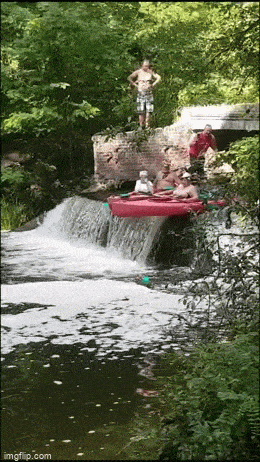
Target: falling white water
{"type": "Point", "coordinates": [82, 267]}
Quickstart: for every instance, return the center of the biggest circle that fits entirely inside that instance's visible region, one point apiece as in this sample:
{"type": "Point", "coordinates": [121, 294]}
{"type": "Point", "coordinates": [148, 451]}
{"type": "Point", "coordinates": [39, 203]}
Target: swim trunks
{"type": "Point", "coordinates": [144, 102]}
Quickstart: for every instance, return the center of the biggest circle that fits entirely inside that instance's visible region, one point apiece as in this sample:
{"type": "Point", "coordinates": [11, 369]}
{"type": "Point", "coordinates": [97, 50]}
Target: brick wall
{"type": "Point", "coordinates": [122, 158]}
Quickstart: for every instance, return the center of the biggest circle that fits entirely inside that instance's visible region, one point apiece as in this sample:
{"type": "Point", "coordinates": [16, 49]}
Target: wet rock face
{"type": "Point", "coordinates": [14, 158]}
{"type": "Point", "coordinates": [174, 243]}
{"type": "Point", "coordinates": [34, 223]}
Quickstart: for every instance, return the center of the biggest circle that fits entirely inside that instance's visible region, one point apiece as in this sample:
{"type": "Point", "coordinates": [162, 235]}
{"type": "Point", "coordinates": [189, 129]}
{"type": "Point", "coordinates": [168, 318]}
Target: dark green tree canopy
{"type": "Point", "coordinates": [65, 63]}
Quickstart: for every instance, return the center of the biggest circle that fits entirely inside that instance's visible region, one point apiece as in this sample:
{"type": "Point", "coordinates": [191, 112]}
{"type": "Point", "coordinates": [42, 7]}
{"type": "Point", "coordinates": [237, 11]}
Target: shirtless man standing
{"type": "Point", "coordinates": [144, 79]}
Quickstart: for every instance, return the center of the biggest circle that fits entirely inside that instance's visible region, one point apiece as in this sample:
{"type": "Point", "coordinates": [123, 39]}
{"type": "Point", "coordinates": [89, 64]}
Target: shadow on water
{"type": "Point", "coordinates": [61, 400]}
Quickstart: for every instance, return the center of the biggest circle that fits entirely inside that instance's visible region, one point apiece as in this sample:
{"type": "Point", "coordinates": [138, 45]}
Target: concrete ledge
{"type": "Point", "coordinates": [222, 117]}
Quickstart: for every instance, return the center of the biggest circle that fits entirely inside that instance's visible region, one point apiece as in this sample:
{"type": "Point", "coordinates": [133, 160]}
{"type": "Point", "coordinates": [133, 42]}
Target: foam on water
{"type": "Point", "coordinates": [71, 283]}
{"type": "Point", "coordinates": [117, 315]}
{"type": "Point", "coordinates": [64, 286]}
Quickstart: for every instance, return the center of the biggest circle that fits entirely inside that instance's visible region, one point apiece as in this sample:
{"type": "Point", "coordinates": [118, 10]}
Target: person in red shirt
{"type": "Point", "coordinates": [199, 145]}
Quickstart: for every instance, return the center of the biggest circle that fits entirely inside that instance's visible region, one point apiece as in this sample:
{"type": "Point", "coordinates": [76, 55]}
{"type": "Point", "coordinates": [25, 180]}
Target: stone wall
{"type": "Point", "coordinates": [122, 158]}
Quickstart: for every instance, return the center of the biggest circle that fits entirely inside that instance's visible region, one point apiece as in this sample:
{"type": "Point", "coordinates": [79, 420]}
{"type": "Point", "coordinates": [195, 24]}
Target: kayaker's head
{"type": "Point", "coordinates": [166, 167]}
{"type": "Point", "coordinates": [186, 177]}
{"type": "Point", "coordinates": [178, 171]}
{"type": "Point", "coordinates": [143, 175]}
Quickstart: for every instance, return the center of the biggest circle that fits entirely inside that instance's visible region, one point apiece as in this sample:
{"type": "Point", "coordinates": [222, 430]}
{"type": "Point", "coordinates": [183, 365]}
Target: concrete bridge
{"type": "Point", "coordinates": [244, 117]}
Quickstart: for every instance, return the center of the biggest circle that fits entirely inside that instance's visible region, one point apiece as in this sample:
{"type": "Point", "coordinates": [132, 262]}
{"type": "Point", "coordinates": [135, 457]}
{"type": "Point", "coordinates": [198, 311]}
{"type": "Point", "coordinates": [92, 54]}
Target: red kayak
{"type": "Point", "coordinates": [152, 206]}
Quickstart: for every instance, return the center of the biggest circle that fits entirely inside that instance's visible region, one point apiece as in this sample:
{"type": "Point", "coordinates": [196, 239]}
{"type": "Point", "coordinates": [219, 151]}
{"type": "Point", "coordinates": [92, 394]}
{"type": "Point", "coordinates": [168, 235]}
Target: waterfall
{"type": "Point", "coordinates": [134, 237]}
{"type": "Point", "coordinates": [89, 220]}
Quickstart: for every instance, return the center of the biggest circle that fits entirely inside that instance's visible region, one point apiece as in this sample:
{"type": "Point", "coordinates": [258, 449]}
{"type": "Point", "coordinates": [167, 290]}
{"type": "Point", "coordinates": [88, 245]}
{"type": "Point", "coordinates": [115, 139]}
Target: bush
{"type": "Point", "coordinates": [13, 182]}
{"type": "Point", "coordinates": [211, 402]}
{"type": "Point", "coordinates": [243, 156]}
{"type": "Point", "coordinates": [13, 215]}
{"type": "Point", "coordinates": [21, 198]}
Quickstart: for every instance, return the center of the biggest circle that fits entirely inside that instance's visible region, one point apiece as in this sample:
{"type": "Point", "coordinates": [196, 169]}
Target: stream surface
{"type": "Point", "coordinates": [80, 334]}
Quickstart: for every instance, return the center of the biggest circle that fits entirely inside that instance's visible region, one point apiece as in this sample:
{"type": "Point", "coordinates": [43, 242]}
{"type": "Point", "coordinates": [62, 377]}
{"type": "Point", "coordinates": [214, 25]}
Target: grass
{"type": "Point", "coordinates": [13, 215]}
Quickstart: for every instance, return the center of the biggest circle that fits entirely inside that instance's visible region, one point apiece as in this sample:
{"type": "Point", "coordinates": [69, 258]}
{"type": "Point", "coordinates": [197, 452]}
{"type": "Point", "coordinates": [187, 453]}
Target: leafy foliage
{"type": "Point", "coordinates": [64, 69]}
{"type": "Point", "coordinates": [21, 122]}
{"type": "Point", "coordinates": [233, 40]}
{"type": "Point", "coordinates": [243, 156]}
{"type": "Point", "coordinates": [27, 194]}
{"type": "Point", "coordinates": [16, 198]}
{"type": "Point", "coordinates": [37, 79]}
{"type": "Point", "coordinates": [212, 409]}
{"type": "Point", "coordinates": [12, 181]}
{"type": "Point", "coordinates": [211, 394]}
{"type": "Point", "coordinates": [57, 55]}
{"type": "Point", "coordinates": [14, 215]}
{"type": "Point", "coordinates": [216, 90]}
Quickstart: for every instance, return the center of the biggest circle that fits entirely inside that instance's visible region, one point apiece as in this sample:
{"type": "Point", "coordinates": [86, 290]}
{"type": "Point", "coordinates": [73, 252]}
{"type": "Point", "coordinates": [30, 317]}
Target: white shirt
{"type": "Point", "coordinates": [146, 187]}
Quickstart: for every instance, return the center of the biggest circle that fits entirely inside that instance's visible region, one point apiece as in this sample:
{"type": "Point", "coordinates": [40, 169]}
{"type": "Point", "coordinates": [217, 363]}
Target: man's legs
{"type": "Point", "coordinates": [144, 108]}
{"type": "Point", "coordinates": [141, 109]}
{"type": "Point", "coordinates": [142, 120]}
{"type": "Point", "coordinates": [197, 166]}
{"type": "Point", "coordinates": [149, 108]}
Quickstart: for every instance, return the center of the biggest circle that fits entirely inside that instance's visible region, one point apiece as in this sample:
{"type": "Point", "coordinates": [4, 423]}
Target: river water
{"type": "Point", "coordinates": [80, 331]}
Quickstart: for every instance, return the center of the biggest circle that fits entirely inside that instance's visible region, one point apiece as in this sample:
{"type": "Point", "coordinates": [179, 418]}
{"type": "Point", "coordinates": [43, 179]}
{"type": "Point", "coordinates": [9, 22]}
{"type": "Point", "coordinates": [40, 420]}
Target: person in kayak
{"type": "Point", "coordinates": [163, 173]}
{"type": "Point", "coordinates": [143, 185]}
{"type": "Point", "coordinates": [185, 189]}
{"type": "Point", "coordinates": [166, 179]}
{"type": "Point", "coordinates": [144, 79]}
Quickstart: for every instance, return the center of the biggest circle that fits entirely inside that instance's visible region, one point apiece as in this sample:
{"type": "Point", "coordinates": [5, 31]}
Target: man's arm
{"type": "Point", "coordinates": [158, 177]}
{"type": "Point", "coordinates": [157, 78]}
{"type": "Point", "coordinates": [193, 139]}
{"type": "Point", "coordinates": [213, 142]}
{"type": "Point", "coordinates": [150, 187]}
{"type": "Point", "coordinates": [133, 77]}
{"type": "Point", "coordinates": [193, 191]}
{"type": "Point", "coordinates": [173, 177]}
